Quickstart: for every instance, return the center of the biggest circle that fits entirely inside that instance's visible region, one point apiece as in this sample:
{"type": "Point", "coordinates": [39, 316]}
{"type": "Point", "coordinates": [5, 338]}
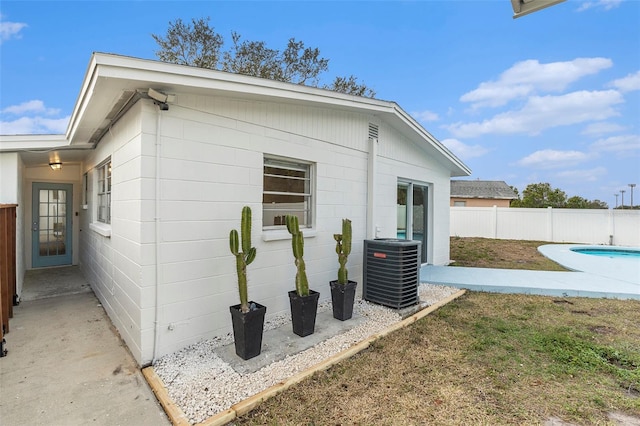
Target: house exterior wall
{"type": "Point", "coordinates": [210, 165]}
{"type": "Point", "coordinates": [400, 159]}
{"type": "Point", "coordinates": [480, 202]}
{"type": "Point", "coordinates": [119, 266]}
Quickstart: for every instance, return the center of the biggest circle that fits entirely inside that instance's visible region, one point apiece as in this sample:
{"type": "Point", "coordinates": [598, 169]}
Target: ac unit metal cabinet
{"type": "Point", "coordinates": [391, 272]}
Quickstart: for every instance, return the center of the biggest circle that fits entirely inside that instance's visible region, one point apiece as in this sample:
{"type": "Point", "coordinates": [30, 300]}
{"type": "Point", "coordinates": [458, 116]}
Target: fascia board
{"type": "Point", "coordinates": [171, 75]}
{"type": "Point", "coordinates": [86, 90]}
{"type": "Point", "coordinates": [15, 143]}
{"type": "Point", "coordinates": [144, 73]}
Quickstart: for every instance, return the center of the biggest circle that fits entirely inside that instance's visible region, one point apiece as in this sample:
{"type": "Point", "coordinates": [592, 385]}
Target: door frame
{"type": "Point", "coordinates": [409, 185]}
{"type": "Point", "coordinates": [38, 261]}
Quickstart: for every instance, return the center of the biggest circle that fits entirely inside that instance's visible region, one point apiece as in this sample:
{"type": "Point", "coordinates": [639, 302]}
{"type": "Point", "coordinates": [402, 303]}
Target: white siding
{"type": "Point", "coordinates": [115, 265]}
{"type": "Point", "coordinates": [210, 166]}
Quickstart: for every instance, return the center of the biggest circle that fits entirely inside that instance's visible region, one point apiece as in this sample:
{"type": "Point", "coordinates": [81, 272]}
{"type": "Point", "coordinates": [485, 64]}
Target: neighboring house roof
{"type": "Point", "coordinates": [491, 189]}
{"type": "Point", "coordinates": [113, 83]}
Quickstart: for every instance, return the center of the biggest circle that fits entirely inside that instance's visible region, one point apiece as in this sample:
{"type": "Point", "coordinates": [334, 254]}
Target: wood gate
{"type": "Point", "coordinates": [7, 268]}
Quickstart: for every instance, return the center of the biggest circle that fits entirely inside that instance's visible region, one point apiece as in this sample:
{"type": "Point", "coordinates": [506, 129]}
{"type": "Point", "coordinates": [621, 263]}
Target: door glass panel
{"type": "Point", "coordinates": [52, 223]}
{"type": "Point", "coordinates": [419, 222]}
{"type": "Point", "coordinates": [412, 214]}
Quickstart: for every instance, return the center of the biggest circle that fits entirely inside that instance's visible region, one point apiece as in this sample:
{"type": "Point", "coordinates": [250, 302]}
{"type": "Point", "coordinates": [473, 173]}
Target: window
{"type": "Point", "coordinates": [85, 190]}
{"type": "Point", "coordinates": [104, 192]}
{"type": "Point", "coordinates": [459, 204]}
{"type": "Point", "coordinates": [287, 188]}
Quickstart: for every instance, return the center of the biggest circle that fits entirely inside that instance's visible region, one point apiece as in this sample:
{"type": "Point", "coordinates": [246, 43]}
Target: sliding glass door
{"type": "Point", "coordinates": [412, 205]}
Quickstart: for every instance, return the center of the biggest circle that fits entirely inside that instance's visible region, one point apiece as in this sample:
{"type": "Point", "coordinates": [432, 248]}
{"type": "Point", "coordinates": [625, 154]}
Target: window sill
{"type": "Point", "coordinates": [101, 228]}
{"type": "Point", "coordinates": [283, 234]}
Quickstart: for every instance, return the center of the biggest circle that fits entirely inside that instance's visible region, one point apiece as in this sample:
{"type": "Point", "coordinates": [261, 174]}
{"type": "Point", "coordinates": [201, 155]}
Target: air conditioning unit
{"type": "Point", "coordinates": [391, 272]}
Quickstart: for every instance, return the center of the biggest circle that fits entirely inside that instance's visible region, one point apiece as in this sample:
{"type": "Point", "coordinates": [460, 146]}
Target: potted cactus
{"type": "Point", "coordinates": [343, 290]}
{"type": "Point", "coordinates": [303, 301]}
{"type": "Point", "coordinates": [247, 317]}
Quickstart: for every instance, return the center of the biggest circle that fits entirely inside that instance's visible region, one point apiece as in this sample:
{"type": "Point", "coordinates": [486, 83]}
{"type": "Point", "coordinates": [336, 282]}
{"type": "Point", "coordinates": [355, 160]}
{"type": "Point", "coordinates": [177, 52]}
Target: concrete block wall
{"type": "Point", "coordinates": [117, 266]}
{"type": "Point", "coordinates": [210, 165]}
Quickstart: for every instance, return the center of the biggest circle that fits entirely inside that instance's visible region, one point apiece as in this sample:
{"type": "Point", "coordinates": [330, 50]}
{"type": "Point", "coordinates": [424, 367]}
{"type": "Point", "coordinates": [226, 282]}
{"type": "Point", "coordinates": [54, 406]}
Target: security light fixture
{"type": "Point", "coordinates": [55, 166]}
{"type": "Point", "coordinates": [525, 7]}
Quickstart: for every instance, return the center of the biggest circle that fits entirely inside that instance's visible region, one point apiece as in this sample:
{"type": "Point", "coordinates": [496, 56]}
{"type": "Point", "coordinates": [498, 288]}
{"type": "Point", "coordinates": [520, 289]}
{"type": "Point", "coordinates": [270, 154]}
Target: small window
{"type": "Point", "coordinates": [104, 192]}
{"type": "Point", "coordinates": [286, 191]}
{"type": "Point", "coordinates": [85, 189]}
{"type": "Point", "coordinates": [459, 204]}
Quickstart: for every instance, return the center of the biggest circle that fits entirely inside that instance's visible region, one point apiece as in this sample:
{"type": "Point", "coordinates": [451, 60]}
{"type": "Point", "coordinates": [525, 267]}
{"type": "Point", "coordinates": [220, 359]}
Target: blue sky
{"type": "Point", "coordinates": [549, 97]}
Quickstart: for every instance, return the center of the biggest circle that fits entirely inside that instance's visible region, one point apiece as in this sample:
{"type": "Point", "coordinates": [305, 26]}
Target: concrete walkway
{"type": "Point", "coordinates": [591, 276]}
{"type": "Point", "coordinates": [66, 364]}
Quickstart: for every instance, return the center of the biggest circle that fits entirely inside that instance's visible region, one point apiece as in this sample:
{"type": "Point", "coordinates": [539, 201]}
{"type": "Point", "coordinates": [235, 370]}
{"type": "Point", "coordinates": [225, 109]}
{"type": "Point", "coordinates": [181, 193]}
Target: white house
{"type": "Point", "coordinates": [158, 161]}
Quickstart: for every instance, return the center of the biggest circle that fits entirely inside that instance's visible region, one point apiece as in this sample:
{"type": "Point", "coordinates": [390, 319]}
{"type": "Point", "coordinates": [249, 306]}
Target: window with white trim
{"type": "Point", "coordinates": [104, 192]}
{"type": "Point", "coordinates": [85, 190]}
{"type": "Point", "coordinates": [287, 190]}
{"type": "Point", "coordinates": [459, 204]}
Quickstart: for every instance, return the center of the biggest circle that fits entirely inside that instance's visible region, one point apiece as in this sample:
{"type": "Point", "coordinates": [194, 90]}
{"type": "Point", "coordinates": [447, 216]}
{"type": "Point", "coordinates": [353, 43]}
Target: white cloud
{"type": "Point", "coordinates": [550, 159]}
{"type": "Point", "coordinates": [627, 84]}
{"type": "Point", "coordinates": [9, 29]}
{"type": "Point", "coordinates": [604, 4]}
{"type": "Point", "coordinates": [464, 151]}
{"type": "Point", "coordinates": [32, 117]}
{"type": "Point", "coordinates": [617, 144]}
{"type": "Point", "coordinates": [425, 116]}
{"type": "Point", "coordinates": [34, 125]}
{"type": "Point", "coordinates": [544, 112]}
{"type": "Point", "coordinates": [601, 128]}
{"type": "Point", "coordinates": [530, 77]}
{"type": "Point", "coordinates": [33, 106]}
{"type": "Point", "coordinates": [579, 176]}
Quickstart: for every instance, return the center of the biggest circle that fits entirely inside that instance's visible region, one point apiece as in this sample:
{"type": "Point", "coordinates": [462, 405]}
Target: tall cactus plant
{"type": "Point", "coordinates": [297, 244]}
{"type": "Point", "coordinates": [244, 257]}
{"type": "Point", "coordinates": [343, 249]}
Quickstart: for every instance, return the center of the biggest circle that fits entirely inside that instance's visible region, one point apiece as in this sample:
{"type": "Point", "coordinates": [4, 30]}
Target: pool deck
{"type": "Point", "coordinates": [590, 276]}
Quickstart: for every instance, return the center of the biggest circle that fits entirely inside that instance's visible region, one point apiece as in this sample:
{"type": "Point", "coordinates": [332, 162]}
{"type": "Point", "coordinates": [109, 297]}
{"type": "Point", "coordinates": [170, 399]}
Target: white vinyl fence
{"type": "Point", "coordinates": [597, 226]}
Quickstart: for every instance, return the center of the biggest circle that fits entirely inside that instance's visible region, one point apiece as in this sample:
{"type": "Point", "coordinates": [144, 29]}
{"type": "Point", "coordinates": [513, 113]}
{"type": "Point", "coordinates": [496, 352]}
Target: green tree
{"type": "Point", "coordinates": [516, 202]}
{"type": "Point", "coordinates": [197, 44]}
{"type": "Point", "coordinates": [597, 204]}
{"type": "Point", "coordinates": [351, 86]}
{"type": "Point", "coordinates": [540, 195]}
{"type": "Point", "coordinates": [577, 202]}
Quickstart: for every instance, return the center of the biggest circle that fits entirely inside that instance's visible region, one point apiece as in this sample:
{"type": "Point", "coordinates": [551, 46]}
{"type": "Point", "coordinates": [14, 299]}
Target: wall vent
{"type": "Point", "coordinates": [373, 131]}
{"type": "Point", "coordinates": [391, 272]}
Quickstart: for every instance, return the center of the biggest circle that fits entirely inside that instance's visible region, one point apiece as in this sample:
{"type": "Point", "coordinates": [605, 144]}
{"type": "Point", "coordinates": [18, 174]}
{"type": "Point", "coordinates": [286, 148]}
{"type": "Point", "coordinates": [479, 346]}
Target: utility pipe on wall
{"type": "Point", "coordinates": [372, 171]}
{"type": "Point", "coordinates": [156, 338]}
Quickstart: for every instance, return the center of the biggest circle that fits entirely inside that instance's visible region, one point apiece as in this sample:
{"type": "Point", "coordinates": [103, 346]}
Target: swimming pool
{"type": "Point", "coordinates": [623, 253]}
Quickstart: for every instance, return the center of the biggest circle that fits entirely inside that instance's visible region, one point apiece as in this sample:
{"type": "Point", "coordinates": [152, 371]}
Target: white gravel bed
{"type": "Point", "coordinates": [202, 384]}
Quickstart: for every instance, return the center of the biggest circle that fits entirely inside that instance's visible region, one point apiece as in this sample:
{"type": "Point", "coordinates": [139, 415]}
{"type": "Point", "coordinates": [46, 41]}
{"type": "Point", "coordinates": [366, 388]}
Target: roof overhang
{"type": "Point", "coordinates": [113, 83]}
{"type": "Point", "coordinates": [525, 7]}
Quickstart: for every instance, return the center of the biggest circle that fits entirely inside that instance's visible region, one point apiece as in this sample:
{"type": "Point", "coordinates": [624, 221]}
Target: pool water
{"type": "Point", "coordinates": [617, 253]}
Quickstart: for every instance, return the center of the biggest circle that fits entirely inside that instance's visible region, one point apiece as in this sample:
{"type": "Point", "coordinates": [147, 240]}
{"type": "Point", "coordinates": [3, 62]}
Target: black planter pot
{"type": "Point", "coordinates": [342, 297]}
{"type": "Point", "coordinates": [303, 312]}
{"type": "Point", "coordinates": [247, 330]}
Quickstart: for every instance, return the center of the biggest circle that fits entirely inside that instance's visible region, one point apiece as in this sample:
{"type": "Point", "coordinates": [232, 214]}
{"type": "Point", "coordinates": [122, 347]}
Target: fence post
{"type": "Point", "coordinates": [495, 221]}
{"type": "Point", "coordinates": [612, 226]}
{"type": "Point", "coordinates": [550, 223]}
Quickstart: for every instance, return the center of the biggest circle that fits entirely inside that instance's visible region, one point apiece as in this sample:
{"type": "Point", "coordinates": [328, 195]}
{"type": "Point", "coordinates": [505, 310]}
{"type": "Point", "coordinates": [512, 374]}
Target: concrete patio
{"type": "Point", "coordinates": [590, 276]}
{"type": "Point", "coordinates": [66, 364]}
